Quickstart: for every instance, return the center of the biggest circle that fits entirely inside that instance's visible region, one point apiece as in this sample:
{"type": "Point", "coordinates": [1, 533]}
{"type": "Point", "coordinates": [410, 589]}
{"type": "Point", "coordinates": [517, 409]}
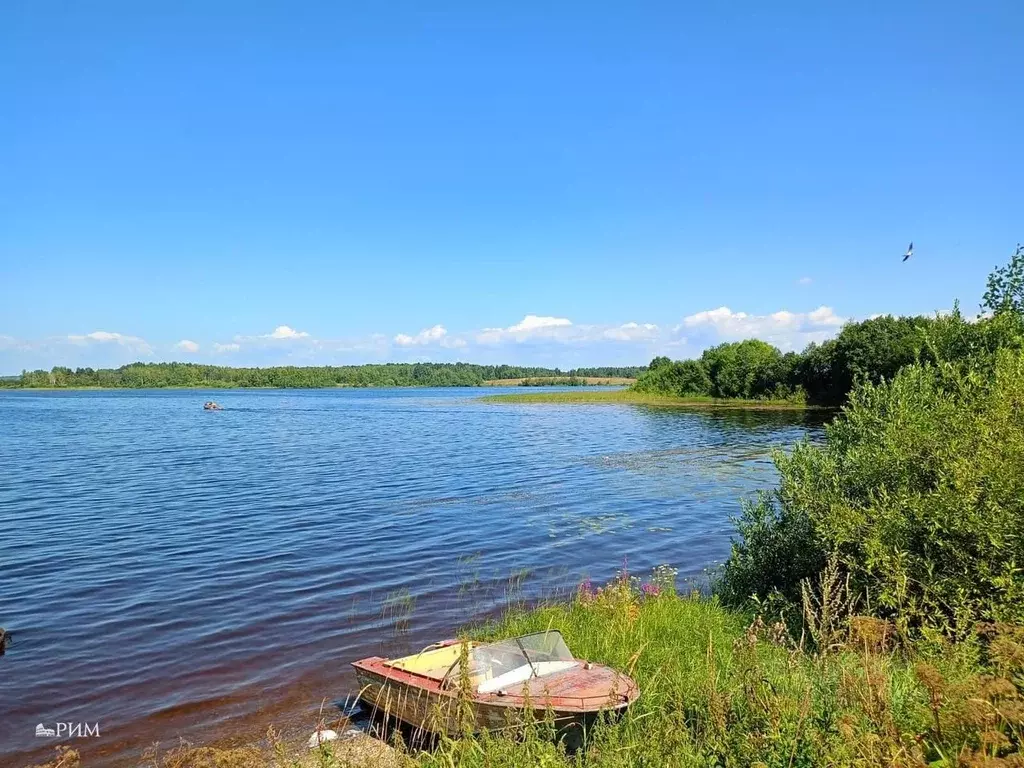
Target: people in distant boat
{"type": "Point", "coordinates": [209, 405]}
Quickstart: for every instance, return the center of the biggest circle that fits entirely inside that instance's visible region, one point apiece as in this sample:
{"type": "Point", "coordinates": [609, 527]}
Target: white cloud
{"type": "Point", "coordinates": [282, 335]}
{"type": "Point", "coordinates": [535, 339]}
{"type": "Point", "coordinates": [284, 332]}
{"type": "Point", "coordinates": [132, 343]}
{"type": "Point", "coordinates": [631, 332]}
{"type": "Point", "coordinates": [9, 342]}
{"type": "Point", "coordinates": [536, 322]}
{"type": "Point", "coordinates": [787, 330]}
{"type": "Point", "coordinates": [804, 281]}
{"type": "Point", "coordinates": [825, 316]}
{"type": "Point", "coordinates": [530, 327]}
{"type": "Point", "coordinates": [426, 336]}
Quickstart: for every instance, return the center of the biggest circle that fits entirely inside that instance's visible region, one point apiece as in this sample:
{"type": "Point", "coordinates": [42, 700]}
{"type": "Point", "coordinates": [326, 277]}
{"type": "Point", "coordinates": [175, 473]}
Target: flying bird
{"type": "Point", "coordinates": [910, 251]}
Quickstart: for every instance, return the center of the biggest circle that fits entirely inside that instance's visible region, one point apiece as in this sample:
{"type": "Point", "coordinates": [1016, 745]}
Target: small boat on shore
{"type": "Point", "coordinates": [501, 681]}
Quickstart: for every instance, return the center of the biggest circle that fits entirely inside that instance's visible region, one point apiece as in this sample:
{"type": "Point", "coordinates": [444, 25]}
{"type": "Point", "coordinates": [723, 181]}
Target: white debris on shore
{"type": "Point", "coordinates": [321, 737]}
{"type": "Point", "coordinates": [357, 748]}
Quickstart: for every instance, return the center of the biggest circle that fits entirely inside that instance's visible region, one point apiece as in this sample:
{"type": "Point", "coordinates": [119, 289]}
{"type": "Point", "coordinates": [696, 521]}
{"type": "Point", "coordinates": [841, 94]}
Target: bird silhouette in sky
{"type": "Point", "coordinates": [910, 251]}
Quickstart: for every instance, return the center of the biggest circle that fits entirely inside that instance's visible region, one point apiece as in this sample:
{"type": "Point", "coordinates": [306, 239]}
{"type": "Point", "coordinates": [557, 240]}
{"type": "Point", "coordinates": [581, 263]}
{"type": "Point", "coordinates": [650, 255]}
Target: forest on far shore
{"type": "Point", "coordinates": [157, 375]}
{"type": "Point", "coordinates": [872, 350]}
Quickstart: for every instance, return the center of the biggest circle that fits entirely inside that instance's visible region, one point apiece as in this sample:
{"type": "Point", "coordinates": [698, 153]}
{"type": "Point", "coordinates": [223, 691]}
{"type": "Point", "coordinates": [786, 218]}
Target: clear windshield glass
{"type": "Point", "coordinates": [512, 662]}
{"type": "Point", "coordinates": [545, 646]}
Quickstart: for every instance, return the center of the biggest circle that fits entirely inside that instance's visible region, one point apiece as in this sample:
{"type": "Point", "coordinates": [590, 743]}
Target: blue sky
{"type": "Point", "coordinates": [563, 184]}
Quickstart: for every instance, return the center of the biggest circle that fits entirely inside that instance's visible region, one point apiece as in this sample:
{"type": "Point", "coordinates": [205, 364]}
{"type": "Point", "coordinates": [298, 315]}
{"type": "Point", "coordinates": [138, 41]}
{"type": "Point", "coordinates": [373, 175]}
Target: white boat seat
{"type": "Point", "coordinates": [524, 673]}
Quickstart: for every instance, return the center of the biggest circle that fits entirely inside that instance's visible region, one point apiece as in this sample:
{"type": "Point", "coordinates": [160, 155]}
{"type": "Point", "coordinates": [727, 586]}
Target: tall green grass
{"type": "Point", "coordinates": [722, 688]}
{"type": "Point", "coordinates": [719, 688]}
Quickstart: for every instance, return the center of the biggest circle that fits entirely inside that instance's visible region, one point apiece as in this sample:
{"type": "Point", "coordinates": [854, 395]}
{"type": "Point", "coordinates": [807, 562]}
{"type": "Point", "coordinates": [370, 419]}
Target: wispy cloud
{"type": "Point", "coordinates": [134, 343]}
{"type": "Point", "coordinates": [9, 342]}
{"type": "Point", "coordinates": [530, 327]}
{"type": "Point", "coordinates": [534, 339]}
{"type": "Point", "coordinates": [804, 281]}
{"type": "Point", "coordinates": [436, 334]}
{"type": "Point", "coordinates": [631, 332]}
{"type": "Point", "coordinates": [533, 331]}
{"type": "Point", "coordinates": [282, 337]}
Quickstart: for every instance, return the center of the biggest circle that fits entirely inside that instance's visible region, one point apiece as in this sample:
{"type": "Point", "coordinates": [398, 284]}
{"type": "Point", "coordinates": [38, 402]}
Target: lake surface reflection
{"type": "Point", "coordinates": [173, 572]}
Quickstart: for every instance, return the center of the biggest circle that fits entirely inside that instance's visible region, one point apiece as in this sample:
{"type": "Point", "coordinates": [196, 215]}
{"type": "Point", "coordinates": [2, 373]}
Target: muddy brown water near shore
{"type": "Point", "coordinates": [169, 572]}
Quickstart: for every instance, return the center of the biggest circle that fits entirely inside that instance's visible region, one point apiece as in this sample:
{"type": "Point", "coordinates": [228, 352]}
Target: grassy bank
{"type": "Point", "coordinates": [627, 396]}
{"type": "Point", "coordinates": [720, 688]}
{"type": "Point", "coordinates": [725, 688]}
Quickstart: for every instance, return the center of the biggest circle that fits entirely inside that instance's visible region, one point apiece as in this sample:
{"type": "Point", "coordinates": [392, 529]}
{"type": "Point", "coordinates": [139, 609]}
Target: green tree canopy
{"type": "Point", "coordinates": [745, 369]}
{"type": "Point", "coordinates": [918, 492]}
{"type": "Point", "coordinates": [688, 377]}
{"type": "Point", "coordinates": [1005, 291]}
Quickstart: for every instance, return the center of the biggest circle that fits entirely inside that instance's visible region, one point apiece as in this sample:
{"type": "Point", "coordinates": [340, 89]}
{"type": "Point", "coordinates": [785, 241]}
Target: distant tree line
{"type": "Point", "coordinates": [563, 381]}
{"type": "Point", "coordinates": [869, 351]}
{"type": "Point", "coordinates": [156, 375]}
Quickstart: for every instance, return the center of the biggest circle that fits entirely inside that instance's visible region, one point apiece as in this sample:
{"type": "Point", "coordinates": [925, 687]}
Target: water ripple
{"type": "Point", "coordinates": [173, 572]}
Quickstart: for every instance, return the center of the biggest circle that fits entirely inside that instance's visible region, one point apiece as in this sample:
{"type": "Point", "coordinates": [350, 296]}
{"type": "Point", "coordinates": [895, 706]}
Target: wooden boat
{"type": "Point", "coordinates": [501, 681]}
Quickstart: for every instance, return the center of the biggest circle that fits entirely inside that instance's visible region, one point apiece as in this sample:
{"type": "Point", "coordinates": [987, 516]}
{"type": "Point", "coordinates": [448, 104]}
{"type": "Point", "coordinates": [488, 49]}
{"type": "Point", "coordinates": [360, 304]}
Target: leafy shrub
{"type": "Point", "coordinates": [918, 492]}
{"type": "Point", "coordinates": [746, 369]}
{"type": "Point", "coordinates": [664, 377]}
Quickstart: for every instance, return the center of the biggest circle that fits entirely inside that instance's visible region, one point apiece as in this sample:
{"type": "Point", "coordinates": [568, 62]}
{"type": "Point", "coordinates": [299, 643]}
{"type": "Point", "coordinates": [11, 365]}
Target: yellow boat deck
{"type": "Point", "coordinates": [432, 662]}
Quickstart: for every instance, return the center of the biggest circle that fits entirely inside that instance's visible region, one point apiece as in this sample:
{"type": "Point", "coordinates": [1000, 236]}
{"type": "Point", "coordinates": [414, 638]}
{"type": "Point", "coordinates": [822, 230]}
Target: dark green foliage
{"type": "Point", "coordinates": [664, 377]}
{"type": "Point", "coordinates": [777, 548]}
{"type": "Point", "coordinates": [954, 339]}
{"type": "Point", "coordinates": [608, 372]}
{"type": "Point", "coordinates": [746, 369]}
{"type": "Point", "coordinates": [872, 350]}
{"type": "Point", "coordinates": [555, 381]}
{"type": "Point", "coordinates": [918, 491]}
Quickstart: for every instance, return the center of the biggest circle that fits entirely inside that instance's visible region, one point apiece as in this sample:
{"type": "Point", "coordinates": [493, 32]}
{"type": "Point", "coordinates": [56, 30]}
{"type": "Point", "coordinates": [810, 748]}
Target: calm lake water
{"type": "Point", "coordinates": [169, 572]}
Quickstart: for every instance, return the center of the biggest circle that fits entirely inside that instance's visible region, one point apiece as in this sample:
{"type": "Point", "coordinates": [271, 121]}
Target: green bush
{"type": "Point", "coordinates": [664, 377]}
{"type": "Point", "coordinates": [745, 369]}
{"type": "Point", "coordinates": [918, 491]}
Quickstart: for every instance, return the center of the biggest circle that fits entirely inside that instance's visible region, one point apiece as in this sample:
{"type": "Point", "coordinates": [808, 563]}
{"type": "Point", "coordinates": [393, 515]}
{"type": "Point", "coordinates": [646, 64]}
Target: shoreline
{"type": "Point", "coordinates": [670, 641]}
{"type": "Point", "coordinates": [238, 386]}
{"type": "Point", "coordinates": [628, 397]}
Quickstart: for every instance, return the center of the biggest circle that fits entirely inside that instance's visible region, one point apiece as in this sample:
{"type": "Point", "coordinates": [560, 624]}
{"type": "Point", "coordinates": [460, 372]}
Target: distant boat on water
{"type": "Point", "coordinates": [209, 405]}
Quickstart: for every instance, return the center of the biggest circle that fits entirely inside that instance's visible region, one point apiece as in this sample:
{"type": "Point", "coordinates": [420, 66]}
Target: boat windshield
{"type": "Point", "coordinates": [512, 662]}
